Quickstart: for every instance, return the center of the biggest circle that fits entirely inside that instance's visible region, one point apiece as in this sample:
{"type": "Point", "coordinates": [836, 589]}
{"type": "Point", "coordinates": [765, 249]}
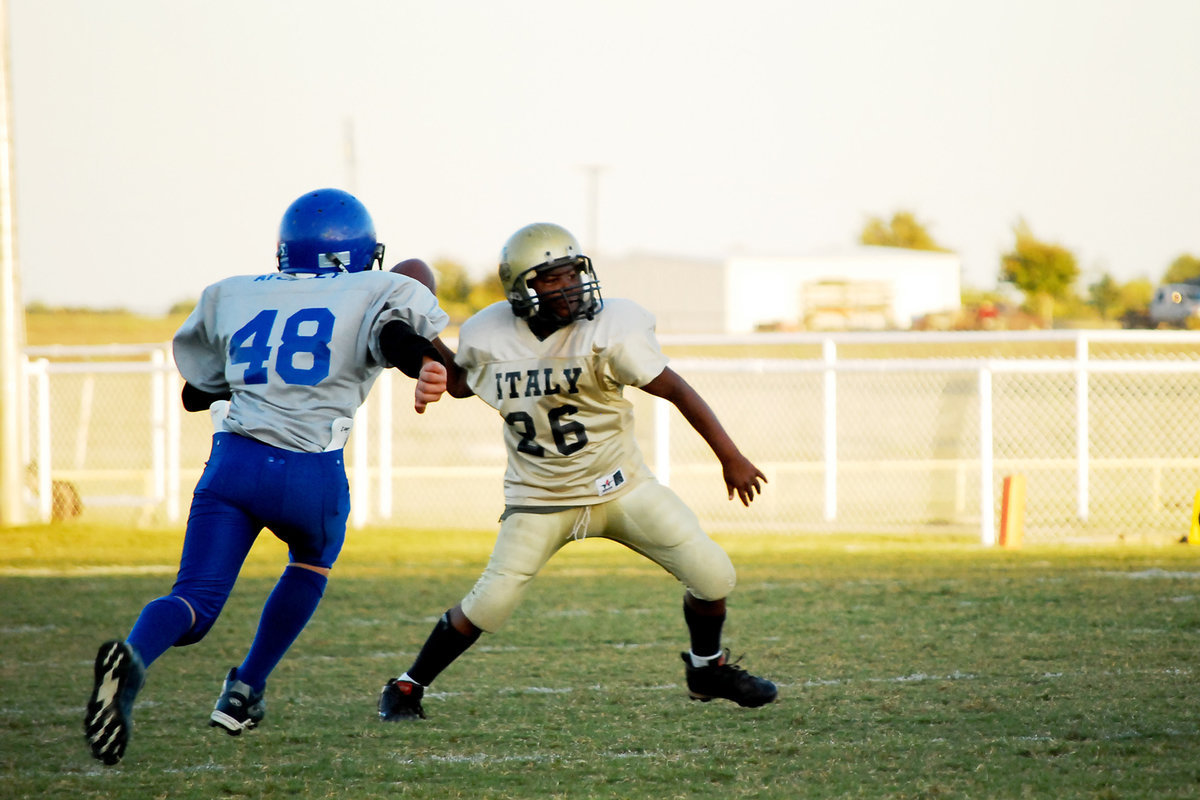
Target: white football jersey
{"type": "Point", "coordinates": [568, 428]}
{"type": "Point", "coordinates": [299, 352]}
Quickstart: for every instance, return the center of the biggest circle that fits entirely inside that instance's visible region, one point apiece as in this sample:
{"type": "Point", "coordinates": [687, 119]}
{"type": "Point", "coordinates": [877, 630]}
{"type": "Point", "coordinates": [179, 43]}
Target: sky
{"type": "Point", "coordinates": [157, 144]}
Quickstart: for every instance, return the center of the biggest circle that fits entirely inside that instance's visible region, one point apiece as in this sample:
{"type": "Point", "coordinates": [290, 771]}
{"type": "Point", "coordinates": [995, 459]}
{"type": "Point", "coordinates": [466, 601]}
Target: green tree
{"type": "Point", "coordinates": [459, 295]}
{"type": "Point", "coordinates": [1071, 306]}
{"type": "Point", "coordinates": [1105, 296]}
{"type": "Point", "coordinates": [453, 282]}
{"type": "Point", "coordinates": [903, 230]}
{"type": "Point", "coordinates": [1184, 268]}
{"type": "Point", "coordinates": [1044, 272]}
{"type": "Point", "coordinates": [1136, 295]}
{"type": "Point", "coordinates": [1134, 303]}
{"type": "Point", "coordinates": [485, 292]}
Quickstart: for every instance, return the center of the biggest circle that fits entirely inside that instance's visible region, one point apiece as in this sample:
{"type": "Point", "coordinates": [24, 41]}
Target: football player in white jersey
{"type": "Point", "coordinates": [553, 360]}
{"type": "Point", "coordinates": [282, 361]}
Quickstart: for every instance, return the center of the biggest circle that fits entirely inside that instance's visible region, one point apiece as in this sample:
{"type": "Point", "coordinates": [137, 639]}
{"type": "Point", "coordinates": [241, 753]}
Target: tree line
{"type": "Point", "coordinates": [1046, 273]}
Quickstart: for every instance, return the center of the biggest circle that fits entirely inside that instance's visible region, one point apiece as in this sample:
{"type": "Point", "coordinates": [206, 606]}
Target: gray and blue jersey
{"type": "Point", "coordinates": [299, 352]}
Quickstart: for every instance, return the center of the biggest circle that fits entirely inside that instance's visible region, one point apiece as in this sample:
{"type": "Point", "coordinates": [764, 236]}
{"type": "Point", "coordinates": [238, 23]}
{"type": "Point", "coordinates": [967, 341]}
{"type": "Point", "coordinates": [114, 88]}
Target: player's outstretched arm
{"type": "Point", "coordinates": [741, 476]}
{"type": "Point", "coordinates": [456, 376]}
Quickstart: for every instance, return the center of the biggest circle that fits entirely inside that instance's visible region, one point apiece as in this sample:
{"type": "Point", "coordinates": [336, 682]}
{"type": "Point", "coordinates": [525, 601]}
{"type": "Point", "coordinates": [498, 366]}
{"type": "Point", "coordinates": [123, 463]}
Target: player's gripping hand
{"type": "Point", "coordinates": [431, 385]}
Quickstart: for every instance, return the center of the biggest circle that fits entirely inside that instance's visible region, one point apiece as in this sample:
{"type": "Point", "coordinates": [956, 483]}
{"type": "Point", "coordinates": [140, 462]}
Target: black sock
{"type": "Point", "coordinates": [441, 648]}
{"type": "Point", "coordinates": [705, 631]}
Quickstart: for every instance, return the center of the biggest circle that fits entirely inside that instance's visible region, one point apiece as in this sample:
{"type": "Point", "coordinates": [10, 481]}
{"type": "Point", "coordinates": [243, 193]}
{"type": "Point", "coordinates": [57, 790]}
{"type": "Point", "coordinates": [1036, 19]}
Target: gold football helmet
{"type": "Point", "coordinates": [544, 246]}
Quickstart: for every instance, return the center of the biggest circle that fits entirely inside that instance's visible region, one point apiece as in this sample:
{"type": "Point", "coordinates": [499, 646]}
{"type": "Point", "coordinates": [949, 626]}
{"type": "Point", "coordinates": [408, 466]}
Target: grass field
{"type": "Point", "coordinates": [907, 667]}
{"type": "Point", "coordinates": [91, 327]}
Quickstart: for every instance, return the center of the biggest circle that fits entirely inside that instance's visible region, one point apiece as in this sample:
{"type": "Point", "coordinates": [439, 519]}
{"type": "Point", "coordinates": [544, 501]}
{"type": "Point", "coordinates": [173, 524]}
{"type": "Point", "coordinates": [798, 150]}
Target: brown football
{"type": "Point", "coordinates": [418, 269]}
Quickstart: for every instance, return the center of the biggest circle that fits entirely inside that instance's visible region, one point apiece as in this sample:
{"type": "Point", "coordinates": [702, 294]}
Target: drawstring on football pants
{"type": "Point", "coordinates": [582, 520]}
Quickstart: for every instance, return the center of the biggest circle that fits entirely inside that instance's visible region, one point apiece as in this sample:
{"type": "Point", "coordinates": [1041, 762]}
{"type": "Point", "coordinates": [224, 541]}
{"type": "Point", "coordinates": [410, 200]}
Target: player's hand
{"type": "Point", "coordinates": [742, 478]}
{"type": "Point", "coordinates": [431, 385]}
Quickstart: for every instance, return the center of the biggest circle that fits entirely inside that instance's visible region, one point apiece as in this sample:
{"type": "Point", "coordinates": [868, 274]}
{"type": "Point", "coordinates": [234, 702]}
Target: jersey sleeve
{"type": "Point", "coordinates": [411, 303]}
{"type": "Point", "coordinates": [474, 337]}
{"type": "Point", "coordinates": [199, 355]}
{"type": "Point", "coordinates": [632, 356]}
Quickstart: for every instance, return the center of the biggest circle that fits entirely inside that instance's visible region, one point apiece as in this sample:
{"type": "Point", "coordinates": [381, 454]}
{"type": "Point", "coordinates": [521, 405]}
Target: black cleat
{"type": "Point", "coordinates": [401, 700]}
{"type": "Point", "coordinates": [109, 720]}
{"type": "Point", "coordinates": [727, 681]}
{"type": "Point", "coordinates": [239, 708]}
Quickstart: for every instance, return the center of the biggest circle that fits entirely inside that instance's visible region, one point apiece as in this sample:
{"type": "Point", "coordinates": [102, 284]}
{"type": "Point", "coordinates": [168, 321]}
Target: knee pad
{"type": "Point", "coordinates": [493, 599]}
{"type": "Point", "coordinates": [709, 573]}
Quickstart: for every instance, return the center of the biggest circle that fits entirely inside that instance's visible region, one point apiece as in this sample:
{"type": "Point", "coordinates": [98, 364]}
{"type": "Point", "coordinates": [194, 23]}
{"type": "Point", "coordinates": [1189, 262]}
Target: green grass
{"type": "Point", "coordinates": [91, 327]}
{"type": "Point", "coordinates": [908, 668]}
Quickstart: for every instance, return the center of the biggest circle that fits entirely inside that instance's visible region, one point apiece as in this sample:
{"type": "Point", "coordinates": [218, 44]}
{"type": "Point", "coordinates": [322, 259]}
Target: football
{"type": "Point", "coordinates": [418, 269]}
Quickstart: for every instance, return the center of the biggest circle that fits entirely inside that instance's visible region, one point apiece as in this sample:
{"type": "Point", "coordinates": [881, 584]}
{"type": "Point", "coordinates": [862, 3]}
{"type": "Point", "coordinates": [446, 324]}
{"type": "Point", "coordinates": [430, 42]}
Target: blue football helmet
{"type": "Point", "coordinates": [327, 230]}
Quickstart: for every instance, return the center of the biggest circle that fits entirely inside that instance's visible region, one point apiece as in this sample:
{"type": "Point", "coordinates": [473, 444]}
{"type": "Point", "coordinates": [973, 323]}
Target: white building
{"type": "Point", "coordinates": [856, 288]}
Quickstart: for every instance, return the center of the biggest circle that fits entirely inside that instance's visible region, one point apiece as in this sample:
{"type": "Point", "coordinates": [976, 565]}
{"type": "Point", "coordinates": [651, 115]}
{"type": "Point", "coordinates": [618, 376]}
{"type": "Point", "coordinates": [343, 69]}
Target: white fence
{"type": "Point", "coordinates": [910, 432]}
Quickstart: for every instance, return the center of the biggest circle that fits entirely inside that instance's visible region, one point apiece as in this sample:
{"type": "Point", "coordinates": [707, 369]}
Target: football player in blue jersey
{"type": "Point", "coordinates": [282, 361]}
{"type": "Point", "coordinates": [554, 359]}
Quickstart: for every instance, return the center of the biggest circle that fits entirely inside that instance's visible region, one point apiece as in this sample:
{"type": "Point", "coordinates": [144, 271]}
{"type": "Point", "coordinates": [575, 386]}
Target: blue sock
{"type": "Point", "coordinates": [287, 611]}
{"type": "Point", "coordinates": [159, 626]}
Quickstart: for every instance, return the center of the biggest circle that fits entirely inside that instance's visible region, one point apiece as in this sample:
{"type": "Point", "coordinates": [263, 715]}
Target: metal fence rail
{"type": "Point", "coordinates": [1098, 423]}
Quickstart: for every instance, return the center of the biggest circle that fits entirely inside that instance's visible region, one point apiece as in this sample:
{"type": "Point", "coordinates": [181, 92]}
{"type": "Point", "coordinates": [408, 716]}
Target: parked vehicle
{"type": "Point", "coordinates": [1176, 305]}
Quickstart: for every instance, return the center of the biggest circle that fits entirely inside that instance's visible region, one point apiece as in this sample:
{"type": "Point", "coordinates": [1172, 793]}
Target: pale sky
{"type": "Point", "coordinates": [157, 142]}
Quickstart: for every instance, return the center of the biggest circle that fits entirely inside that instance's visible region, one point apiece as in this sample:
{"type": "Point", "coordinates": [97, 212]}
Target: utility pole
{"type": "Point", "coordinates": [351, 156]}
{"type": "Point", "coordinates": [12, 315]}
{"type": "Point", "coordinates": [592, 245]}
